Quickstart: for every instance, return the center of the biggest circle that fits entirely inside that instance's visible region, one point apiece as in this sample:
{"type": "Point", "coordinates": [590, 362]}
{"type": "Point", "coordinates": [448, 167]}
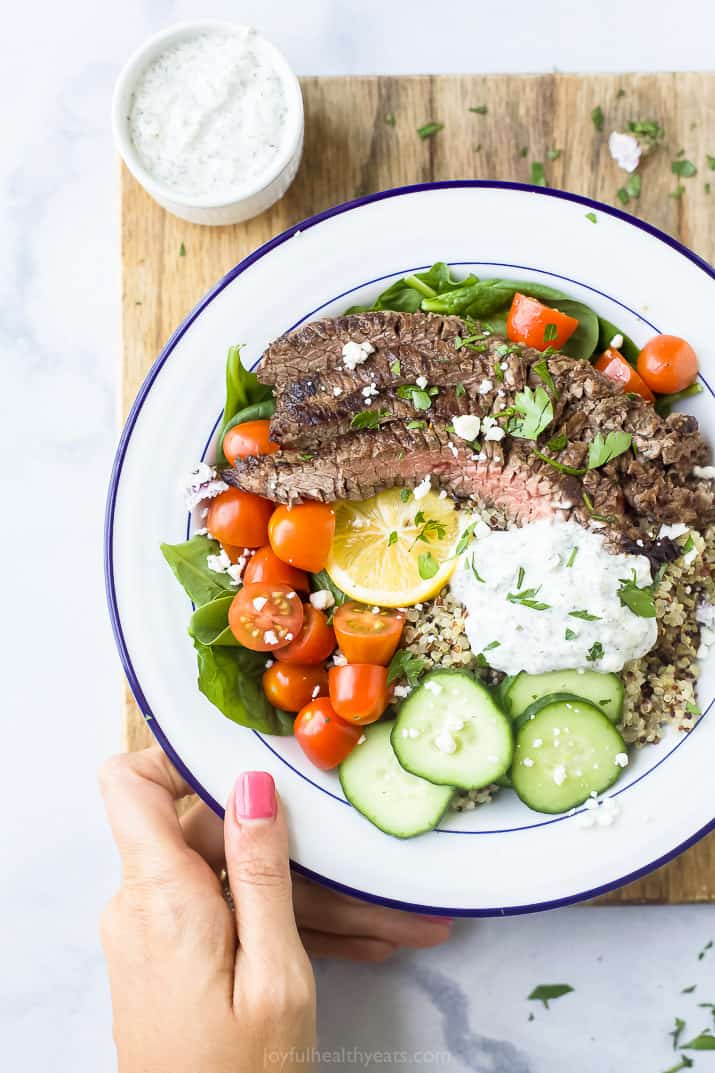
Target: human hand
{"type": "Point", "coordinates": [331, 924]}
{"type": "Point", "coordinates": [195, 987]}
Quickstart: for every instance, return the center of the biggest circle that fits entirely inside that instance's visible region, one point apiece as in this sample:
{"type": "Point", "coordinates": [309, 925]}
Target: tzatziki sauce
{"type": "Point", "coordinates": [208, 114]}
{"type": "Point", "coordinates": [545, 598]}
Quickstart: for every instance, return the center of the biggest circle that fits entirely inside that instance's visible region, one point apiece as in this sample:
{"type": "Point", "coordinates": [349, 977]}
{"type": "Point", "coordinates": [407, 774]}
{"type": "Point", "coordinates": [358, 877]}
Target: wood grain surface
{"type": "Point", "coordinates": [351, 148]}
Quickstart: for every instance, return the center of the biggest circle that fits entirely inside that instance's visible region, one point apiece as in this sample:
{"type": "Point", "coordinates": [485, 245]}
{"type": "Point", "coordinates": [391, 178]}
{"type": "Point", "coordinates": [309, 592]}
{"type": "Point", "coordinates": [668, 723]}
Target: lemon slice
{"type": "Point", "coordinates": [394, 551]}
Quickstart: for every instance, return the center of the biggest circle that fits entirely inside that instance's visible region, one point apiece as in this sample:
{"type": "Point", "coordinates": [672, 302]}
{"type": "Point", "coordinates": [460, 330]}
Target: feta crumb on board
{"type": "Point", "coordinates": [422, 488]}
{"type": "Point", "coordinates": [322, 599]}
{"type": "Point", "coordinates": [625, 150]}
{"type": "Point", "coordinates": [466, 426]}
{"type": "Point", "coordinates": [355, 353]}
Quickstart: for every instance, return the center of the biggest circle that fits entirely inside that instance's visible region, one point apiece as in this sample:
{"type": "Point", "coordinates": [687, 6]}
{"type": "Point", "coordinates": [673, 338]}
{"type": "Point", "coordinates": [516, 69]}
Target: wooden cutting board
{"type": "Point", "coordinates": [353, 147]}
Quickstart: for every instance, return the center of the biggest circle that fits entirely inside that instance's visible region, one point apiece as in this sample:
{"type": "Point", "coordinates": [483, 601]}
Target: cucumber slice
{"type": "Point", "coordinates": [564, 752]}
{"type": "Point", "coordinates": [603, 690]}
{"type": "Point", "coordinates": [451, 731]}
{"type": "Point", "coordinates": [398, 803]}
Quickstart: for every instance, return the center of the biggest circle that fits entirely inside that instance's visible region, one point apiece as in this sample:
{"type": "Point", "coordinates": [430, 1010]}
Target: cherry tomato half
{"type": "Point", "coordinates": [239, 518]}
{"type": "Point", "coordinates": [367, 636]}
{"type": "Point", "coordinates": [302, 535]}
{"type": "Point", "coordinates": [249, 439]}
{"type": "Point", "coordinates": [668, 364]}
{"type": "Point", "coordinates": [266, 566]}
{"type": "Point", "coordinates": [264, 617]}
{"type": "Point", "coordinates": [291, 686]}
{"type": "Point", "coordinates": [537, 325]}
{"type": "Point", "coordinates": [359, 692]}
{"type": "Point", "coordinates": [323, 736]}
{"type": "Point", "coordinates": [315, 641]}
{"type": "Point", "coordinates": [613, 365]}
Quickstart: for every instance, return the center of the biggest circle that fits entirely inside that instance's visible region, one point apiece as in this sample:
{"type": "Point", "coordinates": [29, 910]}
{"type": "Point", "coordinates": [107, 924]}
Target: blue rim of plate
{"type": "Point", "coordinates": [125, 437]}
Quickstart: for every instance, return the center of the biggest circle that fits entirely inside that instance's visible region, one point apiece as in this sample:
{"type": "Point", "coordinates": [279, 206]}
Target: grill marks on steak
{"type": "Point", "coordinates": [323, 459]}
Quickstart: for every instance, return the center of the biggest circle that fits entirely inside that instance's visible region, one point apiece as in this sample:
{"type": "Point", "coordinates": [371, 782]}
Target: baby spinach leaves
{"type": "Point", "coordinates": [231, 679]}
{"type": "Point", "coordinates": [242, 390]}
{"type": "Point", "coordinates": [189, 564]}
{"type": "Point", "coordinates": [209, 624]}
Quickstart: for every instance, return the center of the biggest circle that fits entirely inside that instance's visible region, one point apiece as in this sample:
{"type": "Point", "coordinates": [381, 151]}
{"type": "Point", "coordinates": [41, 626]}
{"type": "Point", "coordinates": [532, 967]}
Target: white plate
{"type": "Point", "coordinates": [501, 858]}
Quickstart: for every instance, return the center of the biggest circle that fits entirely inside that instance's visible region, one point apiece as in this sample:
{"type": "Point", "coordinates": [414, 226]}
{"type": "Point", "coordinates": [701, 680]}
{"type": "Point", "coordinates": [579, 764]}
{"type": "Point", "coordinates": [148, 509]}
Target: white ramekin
{"type": "Point", "coordinates": [248, 199]}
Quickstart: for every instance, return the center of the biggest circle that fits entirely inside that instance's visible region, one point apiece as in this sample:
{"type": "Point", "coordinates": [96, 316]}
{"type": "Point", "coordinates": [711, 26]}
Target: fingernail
{"type": "Point", "coordinates": [255, 796]}
{"type": "Point", "coordinates": [438, 920]}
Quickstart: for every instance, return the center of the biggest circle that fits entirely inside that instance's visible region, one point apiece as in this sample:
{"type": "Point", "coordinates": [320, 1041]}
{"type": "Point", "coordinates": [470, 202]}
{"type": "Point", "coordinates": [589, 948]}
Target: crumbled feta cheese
{"type": "Point", "coordinates": [422, 488]}
{"type": "Point", "coordinates": [316, 692]}
{"type": "Point", "coordinates": [259, 602]}
{"type": "Point", "coordinates": [527, 761]}
{"type": "Point", "coordinates": [452, 447]}
{"type": "Point", "coordinates": [485, 387]}
{"type": "Point", "coordinates": [625, 150]}
{"type": "Point", "coordinates": [270, 638]}
{"type": "Point", "coordinates": [443, 494]}
{"type": "Point", "coordinates": [421, 382]}
{"type": "Point", "coordinates": [375, 610]}
{"type": "Point", "coordinates": [322, 599]}
{"type": "Point", "coordinates": [337, 392]}
{"type": "Point", "coordinates": [202, 484]}
{"type": "Point", "coordinates": [445, 742]}
{"type": "Point", "coordinates": [362, 739]}
{"type": "Point", "coordinates": [355, 354]}
{"type": "Point", "coordinates": [495, 433]}
{"type": "Point", "coordinates": [537, 743]}
{"type": "Point", "coordinates": [504, 366]}
{"type": "Point", "coordinates": [235, 571]}
{"type": "Point", "coordinates": [608, 813]}
{"type": "Point", "coordinates": [218, 563]}
{"type": "Point", "coordinates": [559, 774]}
{"type": "Point", "coordinates": [401, 691]}
{"type": "Point", "coordinates": [269, 663]}
{"type": "Point", "coordinates": [369, 391]}
{"type": "Point", "coordinates": [617, 342]}
{"type": "Point", "coordinates": [339, 660]}
{"type": "Point", "coordinates": [672, 531]}
{"type": "Point", "coordinates": [621, 759]}
{"type": "Point", "coordinates": [289, 637]}
{"type": "Point", "coordinates": [466, 426]}
{"type": "Point", "coordinates": [202, 532]}
{"type": "Point", "coordinates": [705, 473]}
{"type": "Point", "coordinates": [455, 724]}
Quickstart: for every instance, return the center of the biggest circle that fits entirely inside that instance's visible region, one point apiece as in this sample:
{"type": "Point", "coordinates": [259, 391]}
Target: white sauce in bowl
{"type": "Point", "coordinates": [208, 115]}
{"type": "Point", "coordinates": [535, 640]}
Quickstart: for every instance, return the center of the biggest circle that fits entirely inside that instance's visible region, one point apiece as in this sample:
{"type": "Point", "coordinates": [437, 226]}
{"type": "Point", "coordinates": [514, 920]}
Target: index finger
{"type": "Point", "coordinates": [140, 790]}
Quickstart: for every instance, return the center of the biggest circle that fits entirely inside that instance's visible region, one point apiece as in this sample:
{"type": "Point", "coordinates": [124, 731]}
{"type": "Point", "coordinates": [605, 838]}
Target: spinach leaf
{"type": "Point", "coordinates": [188, 562]}
{"type": "Point", "coordinates": [439, 278]}
{"type": "Point", "coordinates": [664, 403]}
{"type": "Point", "coordinates": [209, 624]}
{"type": "Point", "coordinates": [231, 679]}
{"type": "Point", "coordinates": [242, 389]}
{"type": "Point", "coordinates": [583, 342]}
{"type": "Point", "coordinates": [484, 297]}
{"type": "Point", "coordinates": [606, 332]}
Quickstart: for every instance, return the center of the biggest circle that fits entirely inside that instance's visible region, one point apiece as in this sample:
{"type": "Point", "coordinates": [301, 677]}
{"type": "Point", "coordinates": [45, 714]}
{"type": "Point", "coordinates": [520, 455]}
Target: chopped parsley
{"type": "Point", "coordinates": [538, 177]}
{"type": "Point", "coordinates": [390, 119]}
{"type": "Point", "coordinates": [622, 195]}
{"type": "Point", "coordinates": [711, 161]}
{"type": "Point", "coordinates": [491, 645]}
{"type": "Point", "coordinates": [684, 169]}
{"type": "Point", "coordinates": [572, 557]}
{"type": "Point", "coordinates": [428, 130]}
{"type": "Point", "coordinates": [602, 450]}
{"type": "Point", "coordinates": [404, 665]}
{"type": "Point", "coordinates": [595, 652]}
{"type": "Point", "coordinates": [684, 1063]}
{"type": "Point", "coordinates": [553, 154]}
{"type": "Point", "coordinates": [395, 368]}
{"type": "Point", "coordinates": [573, 471]}
{"type": "Point", "coordinates": [466, 537]}
{"type": "Point", "coordinates": [524, 150]}
{"type": "Point", "coordinates": [550, 333]}
{"type": "Point", "coordinates": [597, 117]}
{"type": "Point", "coordinates": [646, 128]}
{"type": "Point", "coordinates": [405, 494]}
{"type": "Point", "coordinates": [703, 952]}
{"type": "Point", "coordinates": [478, 109]}
{"type": "Point", "coordinates": [541, 368]}
{"type": "Point", "coordinates": [592, 217]}
{"type": "Point", "coordinates": [588, 504]}
{"type": "Point", "coordinates": [692, 709]}
{"type": "Point", "coordinates": [557, 443]}
{"type": "Point", "coordinates": [415, 423]}
{"type": "Point", "coordinates": [420, 399]}
{"type": "Point", "coordinates": [427, 565]}
{"type": "Point", "coordinates": [536, 412]}
{"type": "Point", "coordinates": [182, 250]}
{"type": "Point", "coordinates": [704, 1042]}
{"type": "Point", "coordinates": [527, 598]}
{"type": "Point", "coordinates": [546, 992]}
{"type": "Point", "coordinates": [307, 457]}
{"type": "Point", "coordinates": [520, 577]}
{"type": "Point", "coordinates": [429, 527]}
{"type": "Point", "coordinates": [585, 615]}
{"type": "Point", "coordinates": [369, 419]}
{"type": "Point", "coordinates": [459, 390]}
{"type": "Point", "coordinates": [678, 192]}
{"type": "Point", "coordinates": [476, 573]}
{"type": "Point", "coordinates": [631, 189]}
{"type": "Point", "coordinates": [639, 600]}
{"type": "Point", "coordinates": [392, 539]}
{"type": "Point", "coordinates": [688, 990]}
{"type": "Point", "coordinates": [677, 1031]}
{"type": "Point", "coordinates": [570, 635]}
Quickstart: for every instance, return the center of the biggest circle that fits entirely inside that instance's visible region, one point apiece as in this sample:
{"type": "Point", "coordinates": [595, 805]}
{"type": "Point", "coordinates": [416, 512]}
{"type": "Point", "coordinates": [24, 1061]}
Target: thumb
{"type": "Point", "coordinates": [258, 868]}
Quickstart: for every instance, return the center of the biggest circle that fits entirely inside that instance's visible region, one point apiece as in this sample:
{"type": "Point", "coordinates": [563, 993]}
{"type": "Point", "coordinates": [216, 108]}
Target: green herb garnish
{"type": "Point", "coordinates": [477, 576]}
{"type": "Point", "coordinates": [639, 600]}
{"type": "Point", "coordinates": [553, 154]}
{"type": "Point", "coordinates": [459, 390]}
{"type": "Point", "coordinates": [419, 398]}
{"type": "Point", "coordinates": [405, 494]}
{"type": "Point", "coordinates": [415, 423]}
{"type": "Point", "coordinates": [685, 169]}
{"type": "Point", "coordinates": [491, 645]}
{"type": "Point", "coordinates": [585, 615]}
{"type": "Point", "coordinates": [369, 419]}
{"type": "Point", "coordinates": [404, 665]}
{"type": "Point", "coordinates": [392, 539]}
{"type": "Point", "coordinates": [428, 130]}
{"type": "Point", "coordinates": [546, 992]}
{"type": "Point", "coordinates": [527, 598]}
{"type": "Point", "coordinates": [427, 565]}
{"type": "Point", "coordinates": [572, 557]}
{"type": "Point", "coordinates": [182, 250]}
{"type": "Point", "coordinates": [570, 634]}
{"type": "Point", "coordinates": [597, 117]}
{"type": "Point", "coordinates": [390, 119]}
{"type": "Point", "coordinates": [595, 652]}
{"type": "Point", "coordinates": [647, 128]}
{"type": "Point", "coordinates": [558, 443]}
{"type": "Point", "coordinates": [704, 1042]}
{"type": "Point", "coordinates": [678, 192]}
{"type": "Point", "coordinates": [592, 217]}
{"type": "Point", "coordinates": [711, 161]}
{"type": "Point", "coordinates": [677, 1031]}
{"type": "Point", "coordinates": [536, 411]}
{"type": "Point", "coordinates": [520, 577]}
{"type": "Point", "coordinates": [550, 332]}
{"type": "Point", "coordinates": [524, 150]}
{"type": "Point", "coordinates": [541, 369]}
{"type": "Point", "coordinates": [395, 368]}
{"type": "Point", "coordinates": [602, 450]}
{"type": "Point", "coordinates": [466, 537]}
{"type": "Point", "coordinates": [703, 952]}
{"type": "Point", "coordinates": [479, 109]}
{"type": "Point", "coordinates": [538, 177]}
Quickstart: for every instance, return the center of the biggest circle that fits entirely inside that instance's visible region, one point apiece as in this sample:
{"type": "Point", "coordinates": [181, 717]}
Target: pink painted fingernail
{"type": "Point", "coordinates": [255, 796]}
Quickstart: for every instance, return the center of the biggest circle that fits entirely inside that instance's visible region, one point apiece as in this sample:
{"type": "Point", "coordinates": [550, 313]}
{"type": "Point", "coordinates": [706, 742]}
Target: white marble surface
{"type": "Point", "coordinates": [59, 353]}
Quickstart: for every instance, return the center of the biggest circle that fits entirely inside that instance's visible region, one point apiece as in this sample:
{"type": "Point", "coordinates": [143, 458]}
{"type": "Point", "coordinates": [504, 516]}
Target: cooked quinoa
{"type": "Point", "coordinates": [659, 688]}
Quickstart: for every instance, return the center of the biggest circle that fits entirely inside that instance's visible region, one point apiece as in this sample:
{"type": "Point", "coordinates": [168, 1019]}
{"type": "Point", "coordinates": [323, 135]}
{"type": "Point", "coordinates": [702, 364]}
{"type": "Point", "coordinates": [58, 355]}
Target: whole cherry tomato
{"type": "Point", "coordinates": [359, 692]}
{"type": "Point", "coordinates": [249, 439]}
{"type": "Point", "coordinates": [668, 364]}
{"type": "Point", "coordinates": [315, 641]}
{"type": "Point", "coordinates": [266, 566]}
{"type": "Point", "coordinates": [324, 737]}
{"type": "Point", "coordinates": [290, 686]}
{"type": "Point", "coordinates": [239, 518]}
{"type": "Point", "coordinates": [302, 535]}
{"type": "Point", "coordinates": [367, 636]}
{"type": "Point", "coordinates": [264, 617]}
{"type": "Point", "coordinates": [531, 322]}
{"type": "Point", "coordinates": [613, 365]}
